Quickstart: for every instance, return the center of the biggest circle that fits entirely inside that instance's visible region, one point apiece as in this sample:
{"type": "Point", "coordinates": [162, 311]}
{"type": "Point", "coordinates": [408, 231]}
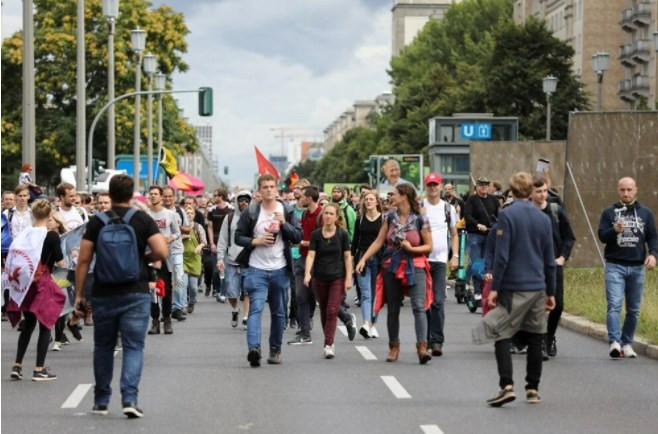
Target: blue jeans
{"type": "Point", "coordinates": [191, 283]}
{"type": "Point", "coordinates": [366, 283]}
{"type": "Point", "coordinates": [272, 286]}
{"type": "Point", "coordinates": [620, 281]}
{"type": "Point", "coordinates": [436, 313]}
{"type": "Point", "coordinates": [179, 286]}
{"type": "Point", "coordinates": [128, 314]}
{"type": "Point", "coordinates": [475, 244]}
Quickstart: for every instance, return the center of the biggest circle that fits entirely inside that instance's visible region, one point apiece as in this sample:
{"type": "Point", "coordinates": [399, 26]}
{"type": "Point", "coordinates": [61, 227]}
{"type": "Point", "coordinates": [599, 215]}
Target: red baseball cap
{"type": "Point", "coordinates": [433, 177]}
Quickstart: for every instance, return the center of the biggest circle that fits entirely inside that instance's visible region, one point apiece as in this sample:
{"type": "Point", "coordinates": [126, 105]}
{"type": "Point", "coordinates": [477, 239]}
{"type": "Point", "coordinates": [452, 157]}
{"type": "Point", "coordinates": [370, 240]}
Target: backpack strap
{"type": "Point", "coordinates": [131, 212]}
{"type": "Point", "coordinates": [229, 220]}
{"type": "Point", "coordinates": [104, 217]}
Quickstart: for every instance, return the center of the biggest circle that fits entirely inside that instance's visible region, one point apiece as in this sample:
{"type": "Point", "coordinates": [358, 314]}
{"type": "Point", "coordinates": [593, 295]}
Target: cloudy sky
{"type": "Point", "coordinates": [296, 63]}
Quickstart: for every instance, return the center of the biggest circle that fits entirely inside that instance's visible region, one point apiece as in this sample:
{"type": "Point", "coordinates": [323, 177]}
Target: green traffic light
{"type": "Point", "coordinates": [205, 101]}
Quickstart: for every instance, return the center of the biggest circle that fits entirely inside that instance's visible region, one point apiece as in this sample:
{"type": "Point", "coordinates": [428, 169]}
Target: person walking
{"type": "Point", "coordinates": [121, 292]}
{"type": "Point", "coordinates": [179, 293]}
{"type": "Point", "coordinates": [405, 269]}
{"type": "Point", "coordinates": [329, 261]}
{"type": "Point", "coordinates": [267, 229]}
{"type": "Point", "coordinates": [43, 300]}
{"type": "Point", "coordinates": [366, 230]}
{"type": "Point", "coordinates": [193, 244]}
{"type": "Point", "coordinates": [20, 216]}
{"type": "Point", "coordinates": [216, 215]}
{"type": "Point", "coordinates": [522, 290]}
{"type": "Point", "coordinates": [57, 224]}
{"type": "Point", "coordinates": [628, 230]}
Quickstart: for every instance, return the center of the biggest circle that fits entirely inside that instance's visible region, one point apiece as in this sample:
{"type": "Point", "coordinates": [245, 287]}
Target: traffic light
{"type": "Point", "coordinates": [369, 166]}
{"type": "Point", "coordinates": [225, 170]}
{"type": "Point", "coordinates": [205, 101]}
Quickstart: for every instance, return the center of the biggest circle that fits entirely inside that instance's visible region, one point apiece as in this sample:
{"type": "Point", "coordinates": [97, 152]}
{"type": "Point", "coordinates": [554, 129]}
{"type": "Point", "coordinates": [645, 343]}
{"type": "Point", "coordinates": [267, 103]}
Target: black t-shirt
{"type": "Point", "coordinates": [145, 228]}
{"type": "Point", "coordinates": [329, 261]}
{"type": "Point", "coordinates": [365, 232]}
{"type": "Point", "coordinates": [216, 216]}
{"type": "Point", "coordinates": [480, 210]}
{"type": "Point", "coordinates": [52, 250]}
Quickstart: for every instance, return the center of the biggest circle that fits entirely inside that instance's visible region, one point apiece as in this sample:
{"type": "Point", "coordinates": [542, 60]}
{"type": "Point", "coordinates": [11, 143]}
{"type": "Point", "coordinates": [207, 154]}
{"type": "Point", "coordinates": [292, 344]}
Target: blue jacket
{"type": "Point", "coordinates": [628, 248]}
{"type": "Point", "coordinates": [523, 258]}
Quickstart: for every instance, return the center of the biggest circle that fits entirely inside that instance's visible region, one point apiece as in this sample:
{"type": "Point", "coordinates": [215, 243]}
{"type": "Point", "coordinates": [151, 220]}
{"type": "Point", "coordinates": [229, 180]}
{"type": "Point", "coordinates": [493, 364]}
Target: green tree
{"type": "Point", "coordinates": [55, 81]}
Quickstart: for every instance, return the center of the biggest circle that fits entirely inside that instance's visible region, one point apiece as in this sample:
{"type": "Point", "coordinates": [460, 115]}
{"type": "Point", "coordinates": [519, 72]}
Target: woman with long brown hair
{"type": "Point", "coordinates": [405, 270]}
{"type": "Point", "coordinates": [329, 251]}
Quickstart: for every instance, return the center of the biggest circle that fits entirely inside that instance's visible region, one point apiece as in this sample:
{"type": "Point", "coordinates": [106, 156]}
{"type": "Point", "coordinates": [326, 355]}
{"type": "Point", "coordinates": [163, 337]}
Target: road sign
{"type": "Point", "coordinates": [476, 131]}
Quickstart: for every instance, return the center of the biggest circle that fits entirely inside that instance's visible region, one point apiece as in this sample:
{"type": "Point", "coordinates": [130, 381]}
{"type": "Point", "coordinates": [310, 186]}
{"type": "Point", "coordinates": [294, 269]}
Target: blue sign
{"type": "Point", "coordinates": [476, 131]}
{"type": "Point", "coordinates": [127, 165]}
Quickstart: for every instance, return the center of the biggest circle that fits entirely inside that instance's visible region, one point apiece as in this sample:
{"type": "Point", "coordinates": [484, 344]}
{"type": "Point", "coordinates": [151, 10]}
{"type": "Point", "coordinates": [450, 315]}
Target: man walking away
{"type": "Point", "coordinates": [522, 289]}
{"type": "Point", "coordinates": [120, 294]}
{"type": "Point", "coordinates": [626, 228]}
{"type": "Point", "coordinates": [267, 228]}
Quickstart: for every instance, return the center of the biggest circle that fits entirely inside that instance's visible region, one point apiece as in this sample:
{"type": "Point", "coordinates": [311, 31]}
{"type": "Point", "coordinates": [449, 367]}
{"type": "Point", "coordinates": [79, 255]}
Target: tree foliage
{"type": "Point", "coordinates": [55, 26]}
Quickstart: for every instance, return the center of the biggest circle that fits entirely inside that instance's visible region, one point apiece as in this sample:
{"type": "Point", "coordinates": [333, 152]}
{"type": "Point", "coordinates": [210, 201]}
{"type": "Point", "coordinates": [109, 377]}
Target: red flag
{"type": "Point", "coordinates": [293, 179]}
{"type": "Point", "coordinates": [264, 165]}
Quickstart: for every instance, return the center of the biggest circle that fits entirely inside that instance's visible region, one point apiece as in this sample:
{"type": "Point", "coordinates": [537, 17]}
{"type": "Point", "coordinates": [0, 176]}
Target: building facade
{"type": "Point", "coordinates": [622, 28]}
{"type": "Point", "coordinates": [410, 16]}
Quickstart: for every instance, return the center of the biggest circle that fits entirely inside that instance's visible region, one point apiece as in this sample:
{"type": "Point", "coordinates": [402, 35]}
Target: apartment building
{"type": "Point", "coordinates": [410, 16]}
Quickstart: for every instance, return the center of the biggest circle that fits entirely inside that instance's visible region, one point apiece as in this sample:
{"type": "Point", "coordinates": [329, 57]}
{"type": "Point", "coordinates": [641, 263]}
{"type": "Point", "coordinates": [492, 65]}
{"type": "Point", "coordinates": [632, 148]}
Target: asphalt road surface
{"type": "Point", "coordinates": [199, 381]}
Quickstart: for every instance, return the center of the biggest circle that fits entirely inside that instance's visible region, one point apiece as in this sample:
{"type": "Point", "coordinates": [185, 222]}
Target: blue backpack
{"type": "Point", "coordinates": [6, 234]}
{"type": "Point", "coordinates": [117, 258]}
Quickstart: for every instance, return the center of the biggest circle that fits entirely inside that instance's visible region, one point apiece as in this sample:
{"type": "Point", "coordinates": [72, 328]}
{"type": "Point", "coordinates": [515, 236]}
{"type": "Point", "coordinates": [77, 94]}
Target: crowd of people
{"type": "Point", "coordinates": [302, 250]}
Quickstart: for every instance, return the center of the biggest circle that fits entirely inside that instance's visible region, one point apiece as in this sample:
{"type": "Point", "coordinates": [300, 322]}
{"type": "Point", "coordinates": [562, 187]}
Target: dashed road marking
{"type": "Point", "coordinates": [431, 429]}
{"type": "Point", "coordinates": [342, 329]}
{"type": "Point", "coordinates": [76, 396]}
{"type": "Point", "coordinates": [396, 388]}
{"type": "Point", "coordinates": [365, 352]}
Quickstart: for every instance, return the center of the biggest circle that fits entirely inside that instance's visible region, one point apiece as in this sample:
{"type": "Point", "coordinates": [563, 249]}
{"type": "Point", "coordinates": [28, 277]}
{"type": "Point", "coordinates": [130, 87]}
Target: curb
{"type": "Point", "coordinates": [599, 331]}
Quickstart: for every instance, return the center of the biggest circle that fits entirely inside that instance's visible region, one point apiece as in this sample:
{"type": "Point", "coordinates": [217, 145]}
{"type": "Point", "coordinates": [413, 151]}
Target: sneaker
{"type": "Point", "coordinates": [100, 409]}
{"type": "Point", "coordinates": [502, 397]}
{"type": "Point", "coordinates": [373, 332]}
{"type": "Point", "coordinates": [178, 315]}
{"type": "Point", "coordinates": [532, 396]}
{"type": "Point", "coordinates": [477, 297]}
{"type": "Point", "coordinates": [365, 332]}
{"type": "Point", "coordinates": [234, 318]}
{"type": "Point", "coordinates": [207, 294]}
{"type": "Point", "coordinates": [551, 345]}
{"type": "Point", "coordinates": [244, 323]}
{"type": "Point", "coordinates": [275, 357]}
{"type": "Point", "coordinates": [168, 329]}
{"type": "Point", "coordinates": [351, 327]}
{"type": "Point", "coordinates": [214, 293]}
{"type": "Point", "coordinates": [131, 410]}
{"type": "Point", "coordinates": [221, 299]}
{"type": "Point", "coordinates": [16, 373]}
{"type": "Point", "coordinates": [43, 375]}
{"type": "Point", "coordinates": [190, 308]}
{"type": "Point", "coordinates": [155, 327]}
{"type": "Point", "coordinates": [437, 350]}
{"type": "Point", "coordinates": [615, 350]}
{"type": "Point", "coordinates": [293, 323]}
{"type": "Point", "coordinates": [357, 302]}
{"type": "Point", "coordinates": [57, 346]}
{"type": "Point", "coordinates": [254, 357]}
{"type": "Point", "coordinates": [74, 329]}
{"type": "Point", "coordinates": [329, 351]}
{"type": "Point", "coordinates": [627, 352]}
{"type": "Point", "coordinates": [64, 340]}
{"type": "Point", "coordinates": [300, 340]}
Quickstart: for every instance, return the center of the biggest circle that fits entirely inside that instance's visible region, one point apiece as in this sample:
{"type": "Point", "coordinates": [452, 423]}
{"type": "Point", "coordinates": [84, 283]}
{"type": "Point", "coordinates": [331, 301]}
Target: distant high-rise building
{"type": "Point", "coordinates": [204, 135]}
{"type": "Point", "coordinates": [410, 16]}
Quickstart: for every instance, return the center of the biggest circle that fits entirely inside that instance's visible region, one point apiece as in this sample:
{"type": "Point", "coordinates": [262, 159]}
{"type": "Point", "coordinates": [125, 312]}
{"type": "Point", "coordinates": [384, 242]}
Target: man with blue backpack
{"type": "Point", "coordinates": [120, 296]}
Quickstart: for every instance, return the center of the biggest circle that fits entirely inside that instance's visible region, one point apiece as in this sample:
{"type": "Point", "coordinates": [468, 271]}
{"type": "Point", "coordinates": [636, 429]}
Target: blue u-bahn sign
{"type": "Point", "coordinates": [476, 131]}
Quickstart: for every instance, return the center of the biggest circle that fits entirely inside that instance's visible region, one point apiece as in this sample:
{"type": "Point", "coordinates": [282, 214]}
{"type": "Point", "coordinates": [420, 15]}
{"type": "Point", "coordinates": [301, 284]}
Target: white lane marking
{"type": "Point", "coordinates": [431, 429]}
{"type": "Point", "coordinates": [394, 385]}
{"type": "Point", "coordinates": [76, 396]}
{"type": "Point", "coordinates": [343, 330]}
{"type": "Point", "coordinates": [365, 352]}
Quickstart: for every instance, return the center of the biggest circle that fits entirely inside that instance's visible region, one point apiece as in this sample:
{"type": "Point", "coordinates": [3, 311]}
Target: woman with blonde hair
{"type": "Point", "coordinates": [329, 260]}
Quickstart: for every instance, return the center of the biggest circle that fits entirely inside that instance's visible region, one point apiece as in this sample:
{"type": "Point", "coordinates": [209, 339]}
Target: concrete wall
{"type": "Point", "coordinates": [500, 160]}
{"type": "Point", "coordinates": [601, 149]}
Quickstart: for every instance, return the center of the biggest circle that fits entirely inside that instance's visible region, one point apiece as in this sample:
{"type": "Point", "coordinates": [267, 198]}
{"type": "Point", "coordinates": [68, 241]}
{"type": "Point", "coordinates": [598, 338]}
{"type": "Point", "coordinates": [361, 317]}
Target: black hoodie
{"type": "Point", "coordinates": [628, 247]}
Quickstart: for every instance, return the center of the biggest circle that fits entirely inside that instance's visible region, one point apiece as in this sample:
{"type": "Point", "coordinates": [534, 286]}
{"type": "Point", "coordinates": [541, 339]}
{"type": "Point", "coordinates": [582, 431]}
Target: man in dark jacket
{"type": "Point", "coordinates": [626, 228]}
{"type": "Point", "coordinates": [563, 241]}
{"type": "Point", "coordinates": [522, 289]}
{"type": "Point", "coordinates": [266, 230]}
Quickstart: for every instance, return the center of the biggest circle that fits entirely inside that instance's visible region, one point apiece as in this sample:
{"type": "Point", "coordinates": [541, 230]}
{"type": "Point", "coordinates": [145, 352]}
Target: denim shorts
{"type": "Point", "coordinates": [233, 278]}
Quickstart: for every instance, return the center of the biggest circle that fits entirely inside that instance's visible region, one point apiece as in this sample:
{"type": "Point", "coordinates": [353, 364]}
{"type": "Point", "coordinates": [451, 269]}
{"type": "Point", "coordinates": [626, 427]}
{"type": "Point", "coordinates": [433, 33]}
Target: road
{"type": "Point", "coordinates": [198, 381]}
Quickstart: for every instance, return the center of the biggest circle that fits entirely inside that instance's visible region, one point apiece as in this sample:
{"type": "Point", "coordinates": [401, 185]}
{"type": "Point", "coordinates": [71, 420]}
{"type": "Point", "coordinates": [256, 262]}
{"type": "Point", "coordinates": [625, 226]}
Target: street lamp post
{"type": "Point", "coordinates": [150, 65]}
{"type": "Point", "coordinates": [110, 12]}
{"type": "Point", "coordinates": [549, 86]}
{"type": "Point", "coordinates": [138, 41]}
{"type": "Point", "coordinates": [600, 63]}
{"type": "Point", "coordinates": [81, 103]}
{"type": "Point", "coordinates": [160, 83]}
{"type": "Point", "coordinates": [29, 120]}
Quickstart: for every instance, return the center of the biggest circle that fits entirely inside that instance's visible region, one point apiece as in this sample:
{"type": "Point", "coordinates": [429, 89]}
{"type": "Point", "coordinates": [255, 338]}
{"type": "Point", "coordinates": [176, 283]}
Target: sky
{"type": "Point", "coordinates": [271, 64]}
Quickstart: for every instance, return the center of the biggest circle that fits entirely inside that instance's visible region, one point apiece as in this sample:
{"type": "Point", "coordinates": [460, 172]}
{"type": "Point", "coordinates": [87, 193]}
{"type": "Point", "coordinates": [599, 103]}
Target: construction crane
{"type": "Point", "coordinates": [293, 133]}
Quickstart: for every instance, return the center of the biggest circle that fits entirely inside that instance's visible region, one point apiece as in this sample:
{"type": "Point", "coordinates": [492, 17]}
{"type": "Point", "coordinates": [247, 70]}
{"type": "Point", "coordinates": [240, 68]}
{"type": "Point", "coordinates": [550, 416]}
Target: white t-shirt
{"type": "Point", "coordinates": [436, 214]}
{"type": "Point", "coordinates": [20, 221]}
{"type": "Point", "coordinates": [73, 218]}
{"type": "Point", "coordinates": [268, 257]}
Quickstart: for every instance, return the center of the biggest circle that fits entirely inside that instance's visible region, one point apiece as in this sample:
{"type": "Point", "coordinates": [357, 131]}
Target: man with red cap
{"type": "Point", "coordinates": [443, 218]}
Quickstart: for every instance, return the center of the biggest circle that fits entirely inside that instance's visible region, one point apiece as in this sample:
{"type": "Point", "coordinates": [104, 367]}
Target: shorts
{"type": "Point", "coordinates": [233, 278]}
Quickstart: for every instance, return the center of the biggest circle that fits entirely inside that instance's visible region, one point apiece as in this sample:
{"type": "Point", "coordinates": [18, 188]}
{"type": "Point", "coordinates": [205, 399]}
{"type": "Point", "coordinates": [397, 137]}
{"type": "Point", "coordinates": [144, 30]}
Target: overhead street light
{"type": "Point", "coordinates": [549, 85]}
{"type": "Point", "coordinates": [600, 62]}
{"type": "Point", "coordinates": [150, 66]}
{"type": "Point", "coordinates": [138, 42]}
{"type": "Point", "coordinates": [111, 13]}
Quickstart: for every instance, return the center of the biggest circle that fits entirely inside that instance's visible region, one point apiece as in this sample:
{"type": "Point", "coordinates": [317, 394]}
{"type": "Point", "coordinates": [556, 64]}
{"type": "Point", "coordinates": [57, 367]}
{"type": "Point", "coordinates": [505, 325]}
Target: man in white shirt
{"type": "Point", "coordinates": [73, 215]}
{"type": "Point", "coordinates": [176, 254]}
{"type": "Point", "coordinates": [20, 216]}
{"type": "Point", "coordinates": [443, 218]}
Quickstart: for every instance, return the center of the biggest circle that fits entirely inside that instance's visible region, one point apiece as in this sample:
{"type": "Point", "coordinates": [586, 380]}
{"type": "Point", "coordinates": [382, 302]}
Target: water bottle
{"type": "Point", "coordinates": [221, 273]}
